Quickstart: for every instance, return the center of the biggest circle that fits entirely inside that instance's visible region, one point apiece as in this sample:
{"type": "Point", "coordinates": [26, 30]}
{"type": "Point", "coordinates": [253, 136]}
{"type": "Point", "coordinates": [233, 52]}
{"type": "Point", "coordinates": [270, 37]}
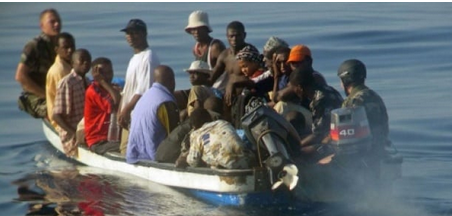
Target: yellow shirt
{"type": "Point", "coordinates": [57, 71]}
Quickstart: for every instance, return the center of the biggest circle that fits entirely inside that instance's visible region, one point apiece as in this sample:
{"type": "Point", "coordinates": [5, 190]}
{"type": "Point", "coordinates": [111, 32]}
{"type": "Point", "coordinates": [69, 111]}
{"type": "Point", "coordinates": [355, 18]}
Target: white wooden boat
{"type": "Point", "coordinates": [219, 186]}
{"type": "Point", "coordinates": [345, 175]}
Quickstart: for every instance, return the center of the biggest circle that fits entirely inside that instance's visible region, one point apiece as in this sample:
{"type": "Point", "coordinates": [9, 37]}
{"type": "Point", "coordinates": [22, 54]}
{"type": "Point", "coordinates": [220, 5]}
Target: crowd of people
{"type": "Point", "coordinates": [190, 127]}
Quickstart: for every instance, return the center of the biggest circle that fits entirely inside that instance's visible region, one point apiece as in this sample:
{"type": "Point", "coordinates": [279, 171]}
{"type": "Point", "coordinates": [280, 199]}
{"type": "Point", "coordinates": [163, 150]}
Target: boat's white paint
{"type": "Point", "coordinates": [177, 178]}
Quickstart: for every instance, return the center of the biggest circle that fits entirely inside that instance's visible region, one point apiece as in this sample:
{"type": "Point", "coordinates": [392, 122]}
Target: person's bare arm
{"type": "Point", "coordinates": [219, 68]}
{"type": "Point", "coordinates": [235, 83]}
{"type": "Point", "coordinates": [124, 115]}
{"type": "Point", "coordinates": [116, 97]}
{"type": "Point", "coordinates": [215, 51]}
{"type": "Point", "coordinates": [284, 94]}
{"type": "Point", "coordinates": [276, 77]}
{"type": "Point", "coordinates": [27, 83]}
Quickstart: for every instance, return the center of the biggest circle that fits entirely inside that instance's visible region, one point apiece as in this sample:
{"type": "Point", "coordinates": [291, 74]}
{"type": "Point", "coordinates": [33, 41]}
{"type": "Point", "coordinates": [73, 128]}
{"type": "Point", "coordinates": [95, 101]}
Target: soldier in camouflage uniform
{"type": "Point", "coordinates": [323, 99]}
{"type": "Point", "coordinates": [352, 74]}
{"type": "Point", "coordinates": [37, 57]}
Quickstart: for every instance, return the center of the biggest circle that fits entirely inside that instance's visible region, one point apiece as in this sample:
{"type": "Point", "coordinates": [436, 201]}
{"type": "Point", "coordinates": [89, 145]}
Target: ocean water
{"type": "Point", "coordinates": [406, 47]}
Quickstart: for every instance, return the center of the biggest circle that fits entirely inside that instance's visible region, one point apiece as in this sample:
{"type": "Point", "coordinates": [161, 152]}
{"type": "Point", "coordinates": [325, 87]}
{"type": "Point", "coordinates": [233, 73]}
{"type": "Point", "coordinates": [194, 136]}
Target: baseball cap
{"type": "Point", "coordinates": [136, 24]}
{"type": "Point", "coordinates": [298, 53]}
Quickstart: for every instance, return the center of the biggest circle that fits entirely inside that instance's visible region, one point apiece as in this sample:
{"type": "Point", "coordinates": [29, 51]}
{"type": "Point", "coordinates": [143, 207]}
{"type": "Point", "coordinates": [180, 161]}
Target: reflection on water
{"type": "Point", "coordinates": [406, 47]}
{"type": "Point", "coordinates": [68, 192]}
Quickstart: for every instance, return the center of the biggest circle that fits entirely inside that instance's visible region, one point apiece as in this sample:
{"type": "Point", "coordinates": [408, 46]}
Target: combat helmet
{"type": "Point", "coordinates": [352, 71]}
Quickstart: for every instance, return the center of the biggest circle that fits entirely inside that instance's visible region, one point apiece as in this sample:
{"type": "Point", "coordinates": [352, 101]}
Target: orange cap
{"type": "Point", "coordinates": [298, 53]}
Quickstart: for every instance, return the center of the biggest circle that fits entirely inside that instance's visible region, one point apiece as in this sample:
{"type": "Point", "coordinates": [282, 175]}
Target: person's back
{"type": "Point", "coordinates": [37, 57]}
{"type": "Point", "coordinates": [153, 118]}
{"type": "Point", "coordinates": [216, 144]}
{"type": "Point", "coordinates": [352, 74]}
{"type": "Point", "coordinates": [61, 67]}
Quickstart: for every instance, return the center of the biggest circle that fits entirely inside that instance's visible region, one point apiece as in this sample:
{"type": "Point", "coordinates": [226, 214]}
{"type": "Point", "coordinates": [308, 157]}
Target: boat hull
{"type": "Point", "coordinates": [221, 187]}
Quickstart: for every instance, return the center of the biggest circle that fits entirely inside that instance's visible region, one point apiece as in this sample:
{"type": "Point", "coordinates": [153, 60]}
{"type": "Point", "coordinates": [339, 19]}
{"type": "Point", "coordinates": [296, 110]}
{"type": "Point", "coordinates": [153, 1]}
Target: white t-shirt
{"type": "Point", "coordinates": [140, 74]}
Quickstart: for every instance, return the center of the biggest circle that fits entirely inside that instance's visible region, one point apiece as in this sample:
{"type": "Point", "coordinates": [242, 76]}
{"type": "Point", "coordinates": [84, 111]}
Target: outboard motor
{"type": "Point", "coordinates": [273, 135]}
{"type": "Point", "coordinates": [350, 133]}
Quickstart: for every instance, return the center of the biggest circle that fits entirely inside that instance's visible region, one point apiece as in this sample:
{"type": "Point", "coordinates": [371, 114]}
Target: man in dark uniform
{"type": "Point", "coordinates": [37, 57]}
{"type": "Point", "coordinates": [323, 99]}
{"type": "Point", "coordinates": [352, 74]}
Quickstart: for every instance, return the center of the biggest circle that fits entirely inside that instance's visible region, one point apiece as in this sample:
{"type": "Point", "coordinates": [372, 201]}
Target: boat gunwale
{"type": "Point", "coordinates": [169, 166]}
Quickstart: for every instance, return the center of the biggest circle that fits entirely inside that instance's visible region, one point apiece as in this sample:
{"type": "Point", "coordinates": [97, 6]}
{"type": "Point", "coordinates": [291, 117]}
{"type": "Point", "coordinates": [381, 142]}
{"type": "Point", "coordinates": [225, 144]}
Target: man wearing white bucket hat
{"type": "Point", "coordinates": [206, 48]}
{"type": "Point", "coordinates": [199, 78]}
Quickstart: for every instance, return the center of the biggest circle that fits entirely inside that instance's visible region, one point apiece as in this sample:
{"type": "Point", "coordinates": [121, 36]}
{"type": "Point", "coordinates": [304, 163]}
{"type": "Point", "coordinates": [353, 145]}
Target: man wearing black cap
{"type": "Point", "coordinates": [139, 75]}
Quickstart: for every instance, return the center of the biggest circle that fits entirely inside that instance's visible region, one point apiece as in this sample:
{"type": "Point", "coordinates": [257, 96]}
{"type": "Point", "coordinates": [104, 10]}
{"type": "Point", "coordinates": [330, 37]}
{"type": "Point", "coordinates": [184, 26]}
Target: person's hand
{"type": "Point", "coordinates": [275, 67]}
{"type": "Point", "coordinates": [181, 162]}
{"type": "Point", "coordinates": [97, 73]}
{"type": "Point", "coordinates": [116, 87]}
{"type": "Point", "coordinates": [228, 94]}
{"type": "Point", "coordinates": [124, 119]}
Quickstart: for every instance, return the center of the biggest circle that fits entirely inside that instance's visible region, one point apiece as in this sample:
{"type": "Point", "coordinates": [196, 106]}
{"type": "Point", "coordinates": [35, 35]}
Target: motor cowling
{"type": "Point", "coordinates": [270, 133]}
{"type": "Point", "coordinates": [350, 132]}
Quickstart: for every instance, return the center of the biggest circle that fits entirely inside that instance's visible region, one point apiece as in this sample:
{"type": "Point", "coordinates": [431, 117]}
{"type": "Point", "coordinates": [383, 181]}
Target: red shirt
{"type": "Point", "coordinates": [97, 114]}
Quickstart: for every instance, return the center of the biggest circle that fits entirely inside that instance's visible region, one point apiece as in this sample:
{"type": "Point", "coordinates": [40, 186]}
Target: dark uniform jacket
{"type": "Point", "coordinates": [376, 113]}
{"type": "Point", "coordinates": [325, 99]}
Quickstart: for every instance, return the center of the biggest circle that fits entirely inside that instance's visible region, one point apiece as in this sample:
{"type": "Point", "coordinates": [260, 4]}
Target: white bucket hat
{"type": "Point", "coordinates": [197, 19]}
{"type": "Point", "coordinates": [199, 66]}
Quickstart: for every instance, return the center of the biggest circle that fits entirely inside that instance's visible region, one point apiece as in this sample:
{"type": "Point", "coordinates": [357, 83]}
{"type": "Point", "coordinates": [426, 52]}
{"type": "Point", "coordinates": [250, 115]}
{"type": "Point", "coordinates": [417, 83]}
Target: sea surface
{"type": "Point", "coordinates": [407, 48]}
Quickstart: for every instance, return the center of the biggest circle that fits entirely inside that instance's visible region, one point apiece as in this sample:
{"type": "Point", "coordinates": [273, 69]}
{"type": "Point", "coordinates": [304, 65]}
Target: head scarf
{"type": "Point", "coordinates": [250, 53]}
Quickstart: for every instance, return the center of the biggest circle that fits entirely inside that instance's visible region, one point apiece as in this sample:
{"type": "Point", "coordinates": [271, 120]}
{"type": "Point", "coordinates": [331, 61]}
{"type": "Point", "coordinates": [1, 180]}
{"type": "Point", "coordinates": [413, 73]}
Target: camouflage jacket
{"type": "Point", "coordinates": [325, 99]}
{"type": "Point", "coordinates": [39, 54]}
{"type": "Point", "coordinates": [375, 108]}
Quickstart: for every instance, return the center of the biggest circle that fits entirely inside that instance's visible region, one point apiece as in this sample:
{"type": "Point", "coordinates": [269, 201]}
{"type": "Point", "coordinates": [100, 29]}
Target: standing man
{"type": "Point", "coordinates": [139, 75]}
{"type": "Point", "coordinates": [227, 63]}
{"type": "Point", "coordinates": [352, 74]}
{"type": "Point", "coordinates": [37, 57]}
{"type": "Point", "coordinates": [154, 117]}
{"type": "Point", "coordinates": [206, 49]}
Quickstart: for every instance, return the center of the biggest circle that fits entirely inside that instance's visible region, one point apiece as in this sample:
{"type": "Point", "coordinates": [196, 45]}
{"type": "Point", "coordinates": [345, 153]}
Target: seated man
{"type": "Point", "coordinates": [300, 56]}
{"type": "Point", "coordinates": [216, 144]}
{"type": "Point", "coordinates": [290, 102]}
{"type": "Point", "coordinates": [199, 78]}
{"type": "Point", "coordinates": [323, 100]}
{"type": "Point", "coordinates": [214, 105]}
{"type": "Point", "coordinates": [154, 117]}
{"type": "Point", "coordinates": [65, 47]}
{"type": "Point", "coordinates": [101, 101]}
{"type": "Point", "coordinates": [179, 140]}
{"type": "Point", "coordinates": [352, 74]}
